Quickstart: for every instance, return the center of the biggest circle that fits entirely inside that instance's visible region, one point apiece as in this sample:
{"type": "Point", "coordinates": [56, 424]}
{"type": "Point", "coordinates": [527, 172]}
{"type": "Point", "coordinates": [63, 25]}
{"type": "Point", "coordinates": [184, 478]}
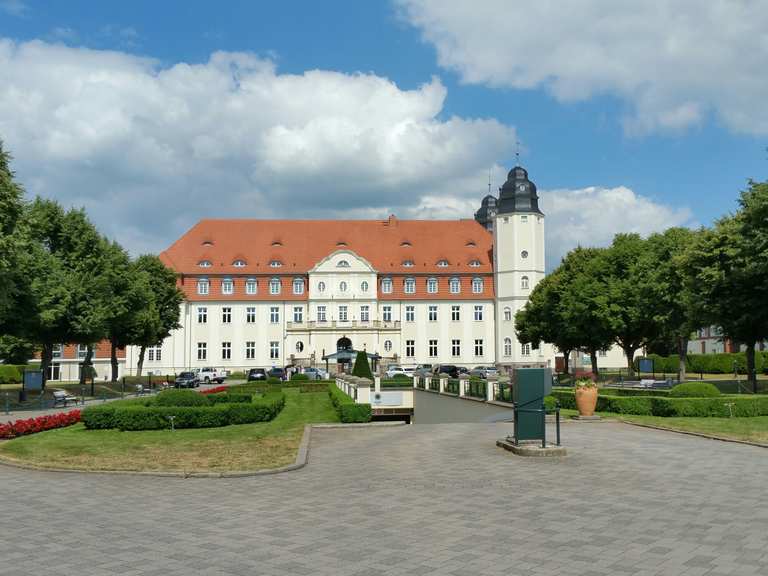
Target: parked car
{"type": "Point", "coordinates": [449, 369]}
{"type": "Point", "coordinates": [209, 374]}
{"type": "Point", "coordinates": [187, 380]}
{"type": "Point", "coordinates": [484, 372]}
{"type": "Point", "coordinates": [423, 370]}
{"type": "Point", "coordinates": [315, 374]}
{"type": "Point", "coordinates": [276, 373]}
{"type": "Point", "coordinates": [255, 374]}
{"type": "Point", "coordinates": [393, 370]}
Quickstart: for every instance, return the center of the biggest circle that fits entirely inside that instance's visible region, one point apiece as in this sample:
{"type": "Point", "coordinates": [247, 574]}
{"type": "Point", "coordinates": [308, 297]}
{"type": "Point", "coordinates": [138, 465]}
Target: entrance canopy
{"type": "Point", "coordinates": [348, 356]}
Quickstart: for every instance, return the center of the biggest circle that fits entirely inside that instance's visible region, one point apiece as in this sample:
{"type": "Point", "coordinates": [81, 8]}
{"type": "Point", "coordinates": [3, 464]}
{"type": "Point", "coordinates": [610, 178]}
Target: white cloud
{"type": "Point", "coordinates": [672, 61]}
{"type": "Point", "coordinates": [14, 7]}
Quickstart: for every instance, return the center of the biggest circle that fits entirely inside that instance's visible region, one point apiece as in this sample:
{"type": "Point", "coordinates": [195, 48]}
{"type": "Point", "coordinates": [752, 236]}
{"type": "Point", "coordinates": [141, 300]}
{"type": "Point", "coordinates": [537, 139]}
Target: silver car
{"type": "Point", "coordinates": [484, 372]}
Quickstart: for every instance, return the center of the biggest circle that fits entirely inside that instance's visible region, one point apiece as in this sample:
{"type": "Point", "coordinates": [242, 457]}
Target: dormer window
{"type": "Point", "coordinates": [386, 286]}
{"type": "Point", "coordinates": [477, 285]}
{"type": "Point", "coordinates": [471, 244]}
{"type": "Point", "coordinates": [227, 286]}
{"type": "Point", "coordinates": [409, 286]}
{"type": "Point", "coordinates": [342, 264]}
{"type": "Point", "coordinates": [474, 263]}
{"type": "Point", "coordinates": [298, 286]}
{"type": "Point", "coordinates": [207, 243]}
{"type": "Point", "coordinates": [405, 244]}
{"type": "Point", "coordinates": [341, 244]}
{"type": "Point", "coordinates": [407, 263]}
{"type": "Point", "coordinates": [250, 286]}
{"type": "Point", "coordinates": [203, 287]}
{"type": "Point", "coordinates": [239, 263]}
{"type": "Point", "coordinates": [432, 285]}
{"type": "Point", "coordinates": [275, 264]}
{"type": "Point", "coordinates": [276, 243]}
{"type": "Point", "coordinates": [454, 285]}
{"type": "Point", "coordinates": [204, 264]}
{"type": "Point", "coordinates": [442, 263]}
{"type": "Point", "coordinates": [274, 286]}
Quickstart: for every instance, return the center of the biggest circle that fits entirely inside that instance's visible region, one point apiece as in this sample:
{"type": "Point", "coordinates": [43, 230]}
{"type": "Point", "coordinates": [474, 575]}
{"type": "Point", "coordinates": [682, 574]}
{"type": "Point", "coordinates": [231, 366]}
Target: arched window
{"type": "Point", "coordinates": [342, 287]}
{"type": "Point", "coordinates": [477, 285]}
{"type": "Point", "coordinates": [524, 283]}
{"type": "Point", "coordinates": [387, 345]}
{"type": "Point", "coordinates": [474, 263]}
{"type": "Point", "coordinates": [455, 285]}
{"type": "Point", "coordinates": [239, 263]}
{"type": "Point", "coordinates": [274, 286]}
{"type": "Point", "coordinates": [507, 347]}
{"type": "Point", "coordinates": [408, 263]}
{"type": "Point", "coordinates": [250, 286]}
{"type": "Point", "coordinates": [342, 264]}
{"type": "Point", "coordinates": [507, 314]}
{"type": "Point", "coordinates": [321, 286]}
{"type": "Point", "coordinates": [409, 286]}
{"type": "Point", "coordinates": [298, 286]}
{"type": "Point", "coordinates": [432, 285]}
{"type": "Point", "coordinates": [386, 286]}
{"type": "Point", "coordinates": [275, 264]}
{"type": "Point", "coordinates": [204, 264]}
{"type": "Point", "coordinates": [203, 286]}
{"type": "Point", "coordinates": [363, 286]}
{"type": "Point", "coordinates": [299, 346]}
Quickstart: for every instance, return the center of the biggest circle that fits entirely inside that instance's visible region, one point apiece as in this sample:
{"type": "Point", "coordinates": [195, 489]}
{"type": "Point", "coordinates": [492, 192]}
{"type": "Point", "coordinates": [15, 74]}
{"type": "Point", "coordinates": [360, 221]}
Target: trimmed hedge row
{"type": "Point", "coordinates": [669, 406]}
{"type": "Point", "coordinates": [132, 415]}
{"type": "Point", "coordinates": [709, 363]}
{"type": "Point", "coordinates": [346, 407]}
{"type": "Point", "coordinates": [694, 390]}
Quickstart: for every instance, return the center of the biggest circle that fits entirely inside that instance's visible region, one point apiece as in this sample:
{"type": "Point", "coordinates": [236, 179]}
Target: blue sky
{"type": "Point", "coordinates": [575, 134]}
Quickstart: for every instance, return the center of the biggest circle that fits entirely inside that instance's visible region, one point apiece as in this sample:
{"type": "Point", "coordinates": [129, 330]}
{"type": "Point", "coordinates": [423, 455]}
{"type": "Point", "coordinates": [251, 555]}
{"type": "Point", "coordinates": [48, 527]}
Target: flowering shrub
{"type": "Point", "coordinates": [39, 424]}
{"type": "Point", "coordinates": [215, 390]}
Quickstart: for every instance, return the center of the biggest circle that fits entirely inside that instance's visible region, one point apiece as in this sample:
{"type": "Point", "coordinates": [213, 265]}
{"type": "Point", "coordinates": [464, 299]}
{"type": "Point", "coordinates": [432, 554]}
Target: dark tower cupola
{"type": "Point", "coordinates": [518, 194]}
{"type": "Point", "coordinates": [487, 212]}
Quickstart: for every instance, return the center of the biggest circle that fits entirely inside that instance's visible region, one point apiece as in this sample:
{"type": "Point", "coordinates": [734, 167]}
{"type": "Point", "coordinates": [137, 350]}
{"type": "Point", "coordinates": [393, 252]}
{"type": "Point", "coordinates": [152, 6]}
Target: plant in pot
{"type": "Point", "coordinates": [586, 396]}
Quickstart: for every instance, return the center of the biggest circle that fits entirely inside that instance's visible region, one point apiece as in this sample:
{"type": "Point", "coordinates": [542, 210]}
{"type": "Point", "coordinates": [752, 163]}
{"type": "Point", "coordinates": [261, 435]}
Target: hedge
{"type": "Point", "coordinates": [346, 407]}
{"type": "Point", "coordinates": [181, 398]}
{"type": "Point", "coordinates": [10, 374]}
{"type": "Point", "coordinates": [709, 363]}
{"type": "Point", "coordinates": [669, 406]}
{"type": "Point", "coordinates": [299, 376]}
{"type": "Point", "coordinates": [127, 415]}
{"type": "Point", "coordinates": [694, 390]}
{"type": "Point", "coordinates": [229, 398]}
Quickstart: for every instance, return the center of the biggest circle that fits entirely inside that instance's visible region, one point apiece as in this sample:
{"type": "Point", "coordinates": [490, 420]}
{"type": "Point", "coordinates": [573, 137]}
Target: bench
{"type": "Point", "coordinates": [61, 397]}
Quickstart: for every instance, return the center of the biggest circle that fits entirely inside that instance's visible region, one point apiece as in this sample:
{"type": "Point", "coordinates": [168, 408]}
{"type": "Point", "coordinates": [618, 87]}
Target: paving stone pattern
{"type": "Point", "coordinates": [419, 500]}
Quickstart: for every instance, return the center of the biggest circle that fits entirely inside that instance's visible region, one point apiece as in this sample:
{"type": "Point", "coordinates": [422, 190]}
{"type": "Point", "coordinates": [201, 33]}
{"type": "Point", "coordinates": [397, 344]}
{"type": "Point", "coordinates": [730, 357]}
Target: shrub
{"type": "Point", "coordinates": [10, 374]}
{"type": "Point", "coordinates": [361, 367]}
{"type": "Point", "coordinates": [273, 380]}
{"type": "Point", "coordinates": [237, 375]}
{"type": "Point", "coordinates": [100, 417]}
{"type": "Point", "coordinates": [694, 390]}
{"type": "Point", "coordinates": [346, 408]}
{"type": "Point", "coordinates": [299, 377]}
{"type": "Point", "coordinates": [229, 398]}
{"type": "Point", "coordinates": [39, 424]}
{"type": "Point", "coordinates": [181, 398]}
{"type": "Point", "coordinates": [401, 377]}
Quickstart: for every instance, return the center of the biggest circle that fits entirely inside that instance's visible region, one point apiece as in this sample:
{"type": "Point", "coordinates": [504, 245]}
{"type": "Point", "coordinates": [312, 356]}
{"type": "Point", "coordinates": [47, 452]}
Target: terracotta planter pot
{"type": "Point", "coordinates": [586, 400]}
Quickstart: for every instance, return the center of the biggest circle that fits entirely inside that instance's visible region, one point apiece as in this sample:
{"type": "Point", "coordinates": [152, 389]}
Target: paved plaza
{"type": "Point", "coordinates": [423, 499]}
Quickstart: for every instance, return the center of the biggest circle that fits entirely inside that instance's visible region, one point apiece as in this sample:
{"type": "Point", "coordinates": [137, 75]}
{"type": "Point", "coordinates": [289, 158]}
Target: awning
{"type": "Point", "coordinates": [349, 355]}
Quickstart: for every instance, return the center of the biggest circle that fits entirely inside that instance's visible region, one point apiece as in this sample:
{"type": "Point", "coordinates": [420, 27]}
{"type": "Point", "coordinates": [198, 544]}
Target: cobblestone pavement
{"type": "Point", "coordinates": [418, 500]}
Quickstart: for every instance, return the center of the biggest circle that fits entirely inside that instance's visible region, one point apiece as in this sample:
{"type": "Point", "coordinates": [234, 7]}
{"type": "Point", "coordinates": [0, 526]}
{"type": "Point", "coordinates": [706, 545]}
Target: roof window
{"type": "Point", "coordinates": [239, 263]}
{"type": "Point", "coordinates": [275, 264]}
{"type": "Point", "coordinates": [204, 264]}
{"type": "Point", "coordinates": [408, 263]}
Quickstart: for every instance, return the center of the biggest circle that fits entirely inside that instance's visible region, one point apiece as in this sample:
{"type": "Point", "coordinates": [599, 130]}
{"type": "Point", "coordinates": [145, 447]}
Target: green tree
{"type": "Point", "coordinates": [361, 367]}
{"type": "Point", "coordinates": [15, 350]}
{"type": "Point", "coordinates": [11, 281]}
{"type": "Point", "coordinates": [727, 273]}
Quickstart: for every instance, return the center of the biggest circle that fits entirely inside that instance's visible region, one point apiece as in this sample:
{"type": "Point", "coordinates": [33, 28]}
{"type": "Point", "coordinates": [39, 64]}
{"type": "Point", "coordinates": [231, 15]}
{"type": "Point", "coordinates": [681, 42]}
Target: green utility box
{"type": "Point", "coordinates": [530, 387]}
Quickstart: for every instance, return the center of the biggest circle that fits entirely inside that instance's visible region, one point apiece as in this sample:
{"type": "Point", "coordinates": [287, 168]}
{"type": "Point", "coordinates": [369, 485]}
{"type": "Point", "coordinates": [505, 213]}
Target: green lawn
{"type": "Point", "coordinates": [244, 447]}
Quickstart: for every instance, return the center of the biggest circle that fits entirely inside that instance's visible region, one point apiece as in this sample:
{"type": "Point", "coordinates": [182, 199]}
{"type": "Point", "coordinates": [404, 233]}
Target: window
{"type": "Point", "coordinates": [341, 244]}
{"type": "Point", "coordinates": [204, 264]}
{"type": "Point", "coordinates": [342, 264]}
{"type": "Point", "coordinates": [274, 286]}
{"type": "Point", "coordinates": [342, 287]}
{"type": "Point", "coordinates": [275, 264]}
{"type": "Point", "coordinates": [433, 313]}
{"type": "Point", "coordinates": [276, 243]}
{"type": "Point", "coordinates": [321, 313]}
{"type": "Point", "coordinates": [507, 314]}
{"type": "Point", "coordinates": [203, 287]}
{"type": "Point", "coordinates": [250, 350]}
{"type": "Point", "coordinates": [239, 263]}
{"type": "Point", "coordinates": [365, 315]}
{"type": "Point", "coordinates": [227, 286]}
{"type": "Point", "coordinates": [507, 347]}
{"type": "Point", "coordinates": [57, 348]}
{"type": "Point", "coordinates": [432, 348]}
{"type": "Point", "coordinates": [226, 350]}
{"type": "Point", "coordinates": [477, 285]}
{"type": "Point", "coordinates": [407, 263]}
{"type": "Point", "coordinates": [274, 350]}
{"type": "Point", "coordinates": [298, 314]}
{"type": "Point", "coordinates": [207, 243]}
{"type": "Point", "coordinates": [442, 263]}
{"type": "Point", "coordinates": [250, 314]}
{"type": "Point", "coordinates": [474, 263]}
{"type": "Point", "coordinates": [342, 313]}
{"type": "Point", "coordinates": [387, 313]}
{"type": "Point", "coordinates": [524, 283]}
{"type": "Point", "coordinates": [454, 286]}
{"type": "Point", "coordinates": [321, 286]}
{"type": "Point", "coordinates": [523, 218]}
{"type": "Point", "coordinates": [364, 286]}
{"type": "Point", "coordinates": [524, 254]}
{"type": "Point", "coordinates": [603, 353]}
{"type": "Point", "coordinates": [455, 348]}
{"type": "Point", "coordinates": [274, 314]}
{"type": "Point", "coordinates": [202, 351]}
{"type": "Point", "coordinates": [432, 285]}
{"type": "Point", "coordinates": [250, 286]}
{"type": "Point", "coordinates": [202, 315]}
{"type": "Point", "coordinates": [410, 348]}
{"type": "Point", "coordinates": [155, 353]}
{"type": "Point", "coordinates": [299, 346]}
{"type": "Point", "coordinates": [455, 313]}
{"type": "Point", "coordinates": [410, 286]}
{"type": "Point", "coordinates": [405, 244]}
{"type": "Point", "coordinates": [226, 315]}
{"type": "Point", "coordinates": [410, 313]}
{"type": "Point", "coordinates": [478, 346]}
{"type": "Point", "coordinates": [525, 349]}
{"type": "Point", "coordinates": [82, 350]}
{"type": "Point", "coordinates": [387, 345]}
{"type": "Point", "coordinates": [386, 286]}
{"type": "Point", "coordinates": [478, 312]}
{"type": "Point", "coordinates": [298, 286]}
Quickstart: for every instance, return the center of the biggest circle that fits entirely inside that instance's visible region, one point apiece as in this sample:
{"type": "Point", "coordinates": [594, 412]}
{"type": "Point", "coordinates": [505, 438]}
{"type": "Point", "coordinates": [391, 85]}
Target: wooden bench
{"type": "Point", "coordinates": [61, 397]}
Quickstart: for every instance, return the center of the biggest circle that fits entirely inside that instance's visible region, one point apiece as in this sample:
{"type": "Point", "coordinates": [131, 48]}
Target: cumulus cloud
{"type": "Point", "coordinates": [672, 61]}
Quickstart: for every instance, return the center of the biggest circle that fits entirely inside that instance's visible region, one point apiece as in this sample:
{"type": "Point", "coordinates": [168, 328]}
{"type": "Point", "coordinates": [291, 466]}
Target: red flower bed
{"type": "Point", "coordinates": [39, 424]}
{"type": "Point", "coordinates": [215, 390]}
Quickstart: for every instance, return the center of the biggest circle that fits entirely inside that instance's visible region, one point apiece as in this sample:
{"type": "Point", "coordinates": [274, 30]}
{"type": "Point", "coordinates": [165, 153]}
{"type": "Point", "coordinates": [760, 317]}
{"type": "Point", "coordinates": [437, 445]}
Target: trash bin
{"type": "Point", "coordinates": [531, 386]}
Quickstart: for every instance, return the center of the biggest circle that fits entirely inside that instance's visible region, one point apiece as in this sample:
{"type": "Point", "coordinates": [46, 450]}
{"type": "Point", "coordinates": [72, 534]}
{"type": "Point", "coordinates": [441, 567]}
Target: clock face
{"type": "Point", "coordinates": [521, 187]}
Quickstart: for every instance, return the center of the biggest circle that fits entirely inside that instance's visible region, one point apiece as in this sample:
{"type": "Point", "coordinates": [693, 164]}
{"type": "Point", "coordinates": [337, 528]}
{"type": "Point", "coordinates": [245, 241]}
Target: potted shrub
{"type": "Point", "coordinates": [586, 396]}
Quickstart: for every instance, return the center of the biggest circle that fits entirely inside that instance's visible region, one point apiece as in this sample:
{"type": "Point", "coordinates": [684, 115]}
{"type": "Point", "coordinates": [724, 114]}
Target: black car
{"type": "Point", "coordinates": [276, 373]}
{"type": "Point", "coordinates": [257, 374]}
{"type": "Point", "coordinates": [187, 380]}
{"type": "Point", "coordinates": [449, 369]}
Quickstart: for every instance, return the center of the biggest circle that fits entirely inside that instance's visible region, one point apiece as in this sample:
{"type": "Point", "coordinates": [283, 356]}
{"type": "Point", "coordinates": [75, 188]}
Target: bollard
{"type": "Point", "coordinates": [7, 404]}
{"type": "Point", "coordinates": [122, 388]}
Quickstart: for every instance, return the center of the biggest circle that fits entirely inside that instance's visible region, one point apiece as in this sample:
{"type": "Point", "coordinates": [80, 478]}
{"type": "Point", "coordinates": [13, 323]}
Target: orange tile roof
{"type": "Point", "coordinates": [301, 244]}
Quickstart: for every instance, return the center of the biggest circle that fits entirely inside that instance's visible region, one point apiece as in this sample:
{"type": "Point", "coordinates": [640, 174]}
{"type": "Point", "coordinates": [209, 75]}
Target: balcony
{"type": "Point", "coordinates": [338, 325]}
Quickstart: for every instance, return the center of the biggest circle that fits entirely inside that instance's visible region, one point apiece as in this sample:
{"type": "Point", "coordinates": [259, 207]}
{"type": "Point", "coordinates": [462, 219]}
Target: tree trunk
{"type": "Point", "coordinates": [566, 360]}
{"type": "Point", "coordinates": [751, 375]}
{"type": "Point", "coordinates": [629, 351]}
{"type": "Point", "coordinates": [593, 359]}
{"type": "Point", "coordinates": [86, 368]}
{"type": "Point", "coordinates": [46, 357]}
{"type": "Point", "coordinates": [140, 365]}
{"type": "Point", "coordinates": [113, 359]}
{"type": "Point", "coordinates": [682, 352]}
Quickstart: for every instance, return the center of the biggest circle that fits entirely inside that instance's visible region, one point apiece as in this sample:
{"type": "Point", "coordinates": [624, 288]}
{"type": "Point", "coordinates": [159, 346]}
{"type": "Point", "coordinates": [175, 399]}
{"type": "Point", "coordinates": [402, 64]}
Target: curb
{"type": "Point", "coordinates": [698, 434]}
{"type": "Point", "coordinates": [302, 458]}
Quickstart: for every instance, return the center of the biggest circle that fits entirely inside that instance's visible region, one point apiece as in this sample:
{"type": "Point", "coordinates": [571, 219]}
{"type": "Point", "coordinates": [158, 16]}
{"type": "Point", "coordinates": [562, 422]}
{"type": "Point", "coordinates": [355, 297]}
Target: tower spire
{"type": "Point", "coordinates": [517, 153]}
